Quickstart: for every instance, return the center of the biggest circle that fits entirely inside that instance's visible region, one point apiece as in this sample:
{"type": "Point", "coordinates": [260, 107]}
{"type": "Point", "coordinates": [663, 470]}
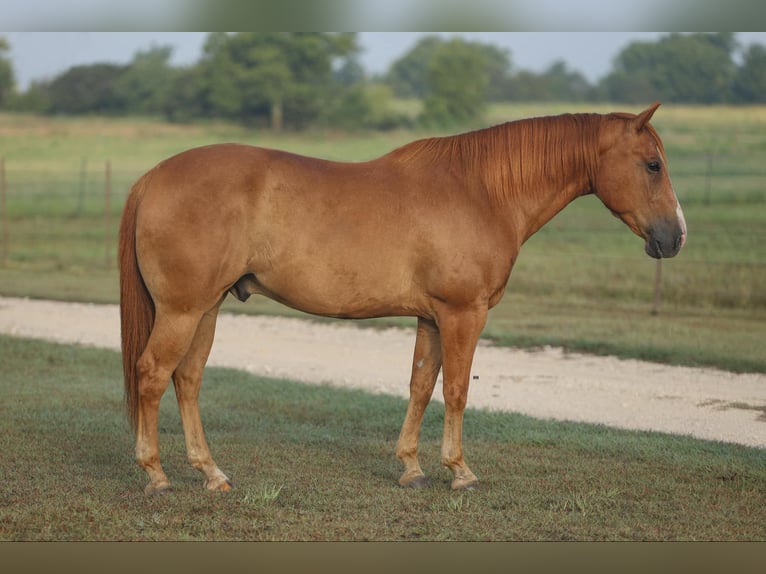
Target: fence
{"type": "Point", "coordinates": [61, 220]}
{"type": "Point", "coordinates": [67, 222]}
{"type": "Point", "coordinates": [3, 214]}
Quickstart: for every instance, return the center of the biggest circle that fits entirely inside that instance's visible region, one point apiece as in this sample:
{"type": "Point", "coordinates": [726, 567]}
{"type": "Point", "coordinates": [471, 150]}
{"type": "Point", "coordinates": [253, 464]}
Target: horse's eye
{"type": "Point", "coordinates": [653, 166]}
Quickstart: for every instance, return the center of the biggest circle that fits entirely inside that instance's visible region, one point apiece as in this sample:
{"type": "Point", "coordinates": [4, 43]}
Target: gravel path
{"type": "Point", "coordinates": [704, 403]}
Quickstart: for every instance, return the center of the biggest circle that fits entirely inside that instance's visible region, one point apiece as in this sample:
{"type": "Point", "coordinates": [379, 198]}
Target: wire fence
{"type": "Point", "coordinates": [68, 221]}
{"type": "Point", "coordinates": [61, 219]}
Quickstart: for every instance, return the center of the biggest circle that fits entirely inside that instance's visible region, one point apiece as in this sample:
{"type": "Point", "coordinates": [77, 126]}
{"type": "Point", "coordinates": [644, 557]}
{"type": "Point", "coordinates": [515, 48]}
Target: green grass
{"type": "Point", "coordinates": [582, 281]}
{"type": "Point", "coordinates": [317, 463]}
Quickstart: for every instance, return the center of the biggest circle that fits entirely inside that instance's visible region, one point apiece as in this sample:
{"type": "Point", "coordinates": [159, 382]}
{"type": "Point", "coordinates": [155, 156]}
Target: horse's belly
{"type": "Point", "coordinates": [337, 293]}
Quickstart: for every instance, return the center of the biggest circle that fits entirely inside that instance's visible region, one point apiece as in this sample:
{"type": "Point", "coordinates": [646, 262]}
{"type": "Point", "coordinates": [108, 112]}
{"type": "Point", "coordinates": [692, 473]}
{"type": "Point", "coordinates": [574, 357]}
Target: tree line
{"type": "Point", "coordinates": [291, 80]}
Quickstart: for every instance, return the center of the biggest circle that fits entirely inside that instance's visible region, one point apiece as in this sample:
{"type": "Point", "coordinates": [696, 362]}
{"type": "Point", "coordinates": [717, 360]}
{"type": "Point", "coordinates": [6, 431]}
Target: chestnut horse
{"type": "Point", "coordinates": [430, 230]}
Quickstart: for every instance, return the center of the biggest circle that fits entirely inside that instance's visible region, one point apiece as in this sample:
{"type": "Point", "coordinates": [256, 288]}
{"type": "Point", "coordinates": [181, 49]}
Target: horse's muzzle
{"type": "Point", "coordinates": [666, 239]}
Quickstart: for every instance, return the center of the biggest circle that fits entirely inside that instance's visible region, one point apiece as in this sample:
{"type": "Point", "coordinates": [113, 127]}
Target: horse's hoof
{"type": "Point", "coordinates": [416, 482]}
{"type": "Point", "coordinates": [413, 479]}
{"type": "Point", "coordinates": [219, 484]}
{"type": "Point", "coordinates": [465, 484]}
{"type": "Point", "coordinates": [154, 489]}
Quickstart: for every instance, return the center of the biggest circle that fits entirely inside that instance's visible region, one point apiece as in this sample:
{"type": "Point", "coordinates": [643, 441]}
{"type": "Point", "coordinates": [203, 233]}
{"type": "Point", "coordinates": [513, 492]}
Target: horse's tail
{"type": "Point", "coordinates": [136, 305]}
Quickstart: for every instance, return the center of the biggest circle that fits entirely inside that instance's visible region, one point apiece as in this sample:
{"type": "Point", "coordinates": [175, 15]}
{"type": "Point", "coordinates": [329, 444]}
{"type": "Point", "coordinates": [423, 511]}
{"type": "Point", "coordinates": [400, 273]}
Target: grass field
{"type": "Point", "coordinates": [583, 282]}
{"type": "Point", "coordinates": [317, 463]}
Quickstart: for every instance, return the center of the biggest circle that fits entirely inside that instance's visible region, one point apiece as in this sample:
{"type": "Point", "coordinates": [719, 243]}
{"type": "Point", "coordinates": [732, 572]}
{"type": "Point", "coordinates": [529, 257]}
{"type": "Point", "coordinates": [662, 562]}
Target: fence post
{"type": "Point", "coordinates": [657, 288]}
{"type": "Point", "coordinates": [107, 215]}
{"type": "Point", "coordinates": [3, 213]}
{"type": "Point", "coordinates": [83, 186]}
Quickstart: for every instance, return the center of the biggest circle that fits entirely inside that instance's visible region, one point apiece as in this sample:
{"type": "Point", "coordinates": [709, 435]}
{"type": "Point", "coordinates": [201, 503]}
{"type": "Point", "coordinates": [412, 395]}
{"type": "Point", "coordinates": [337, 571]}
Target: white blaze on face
{"type": "Point", "coordinates": [681, 222]}
{"type": "Point", "coordinates": [679, 211]}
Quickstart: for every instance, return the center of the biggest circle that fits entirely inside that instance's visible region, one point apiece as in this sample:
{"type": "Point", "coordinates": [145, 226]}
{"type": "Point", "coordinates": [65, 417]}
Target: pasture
{"type": "Point", "coordinates": [582, 282]}
{"type": "Point", "coordinates": [317, 463]}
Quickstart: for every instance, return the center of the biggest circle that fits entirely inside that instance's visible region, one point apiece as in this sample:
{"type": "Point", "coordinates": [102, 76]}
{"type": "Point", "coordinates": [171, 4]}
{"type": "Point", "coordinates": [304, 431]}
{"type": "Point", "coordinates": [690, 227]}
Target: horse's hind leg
{"type": "Point", "coordinates": [426, 363]}
{"type": "Point", "coordinates": [170, 338]}
{"type": "Point", "coordinates": [187, 380]}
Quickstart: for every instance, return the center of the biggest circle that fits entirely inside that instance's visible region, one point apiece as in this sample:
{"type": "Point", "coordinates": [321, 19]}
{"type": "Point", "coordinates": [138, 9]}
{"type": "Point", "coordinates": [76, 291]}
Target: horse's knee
{"type": "Point", "coordinates": [455, 397]}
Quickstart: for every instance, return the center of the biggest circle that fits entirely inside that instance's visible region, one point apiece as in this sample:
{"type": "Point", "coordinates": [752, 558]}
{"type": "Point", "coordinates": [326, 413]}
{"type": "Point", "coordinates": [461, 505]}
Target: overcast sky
{"type": "Point", "coordinates": [39, 55]}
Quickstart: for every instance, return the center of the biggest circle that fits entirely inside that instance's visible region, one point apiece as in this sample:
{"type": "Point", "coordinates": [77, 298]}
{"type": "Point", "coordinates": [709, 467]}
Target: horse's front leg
{"type": "Point", "coordinates": [460, 330]}
{"type": "Point", "coordinates": [426, 362]}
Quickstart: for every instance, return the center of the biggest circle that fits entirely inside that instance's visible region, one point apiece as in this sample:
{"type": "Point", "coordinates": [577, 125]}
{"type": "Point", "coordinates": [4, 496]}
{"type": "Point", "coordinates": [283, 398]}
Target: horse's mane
{"type": "Point", "coordinates": [517, 156]}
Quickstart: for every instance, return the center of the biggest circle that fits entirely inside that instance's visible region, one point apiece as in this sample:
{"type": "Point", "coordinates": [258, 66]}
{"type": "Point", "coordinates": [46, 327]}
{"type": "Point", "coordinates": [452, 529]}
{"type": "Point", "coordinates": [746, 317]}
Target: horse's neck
{"type": "Point", "coordinates": [535, 208]}
{"type": "Point", "coordinates": [529, 206]}
{"type": "Point", "coordinates": [532, 169]}
{"type": "Point", "coordinates": [525, 172]}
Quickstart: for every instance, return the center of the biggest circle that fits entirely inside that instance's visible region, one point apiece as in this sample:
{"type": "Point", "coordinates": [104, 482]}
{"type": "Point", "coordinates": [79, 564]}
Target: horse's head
{"type": "Point", "coordinates": [633, 182]}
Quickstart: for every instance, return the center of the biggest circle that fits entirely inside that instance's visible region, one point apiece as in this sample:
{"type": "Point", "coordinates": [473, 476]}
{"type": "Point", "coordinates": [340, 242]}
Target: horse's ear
{"type": "Point", "coordinates": [643, 118]}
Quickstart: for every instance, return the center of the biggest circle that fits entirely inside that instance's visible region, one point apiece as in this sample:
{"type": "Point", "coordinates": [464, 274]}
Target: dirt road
{"type": "Point", "coordinates": [704, 403]}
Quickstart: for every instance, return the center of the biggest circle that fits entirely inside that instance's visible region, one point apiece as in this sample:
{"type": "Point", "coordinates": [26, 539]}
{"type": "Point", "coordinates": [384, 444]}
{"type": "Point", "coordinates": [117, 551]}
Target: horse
{"type": "Point", "coordinates": [429, 230]}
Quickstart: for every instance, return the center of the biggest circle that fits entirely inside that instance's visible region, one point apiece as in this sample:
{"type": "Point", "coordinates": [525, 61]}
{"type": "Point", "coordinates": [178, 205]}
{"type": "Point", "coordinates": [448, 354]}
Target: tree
{"type": "Point", "coordinates": [145, 85]}
{"type": "Point", "coordinates": [266, 74]}
{"type": "Point", "coordinates": [696, 68]}
{"type": "Point", "coordinates": [454, 77]}
{"type": "Point", "coordinates": [750, 81]}
{"type": "Point", "coordinates": [185, 100]}
{"type": "Point", "coordinates": [357, 102]}
{"type": "Point", "coordinates": [283, 76]}
{"type": "Point", "coordinates": [458, 83]}
{"type": "Point", "coordinates": [350, 72]}
{"type": "Point", "coordinates": [34, 100]}
{"type": "Point", "coordinates": [216, 78]}
{"type": "Point", "coordinates": [311, 57]}
{"type": "Point", "coordinates": [408, 76]}
{"type": "Point", "coordinates": [86, 89]}
{"type": "Point", "coordinates": [557, 83]}
{"type": "Point", "coordinates": [498, 65]}
{"type": "Point", "coordinates": [7, 81]}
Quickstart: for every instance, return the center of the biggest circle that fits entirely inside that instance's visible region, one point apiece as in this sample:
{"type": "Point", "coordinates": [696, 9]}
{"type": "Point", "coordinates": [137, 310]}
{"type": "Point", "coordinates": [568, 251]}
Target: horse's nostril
{"type": "Point", "coordinates": [654, 248]}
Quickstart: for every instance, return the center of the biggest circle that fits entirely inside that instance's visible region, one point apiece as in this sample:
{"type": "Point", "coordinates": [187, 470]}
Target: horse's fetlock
{"type": "Point", "coordinates": [406, 452]}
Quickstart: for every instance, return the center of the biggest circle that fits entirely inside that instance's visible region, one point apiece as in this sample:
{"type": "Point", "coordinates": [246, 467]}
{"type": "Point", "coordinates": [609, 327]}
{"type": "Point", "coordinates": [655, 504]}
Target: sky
{"type": "Point", "coordinates": [41, 55]}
